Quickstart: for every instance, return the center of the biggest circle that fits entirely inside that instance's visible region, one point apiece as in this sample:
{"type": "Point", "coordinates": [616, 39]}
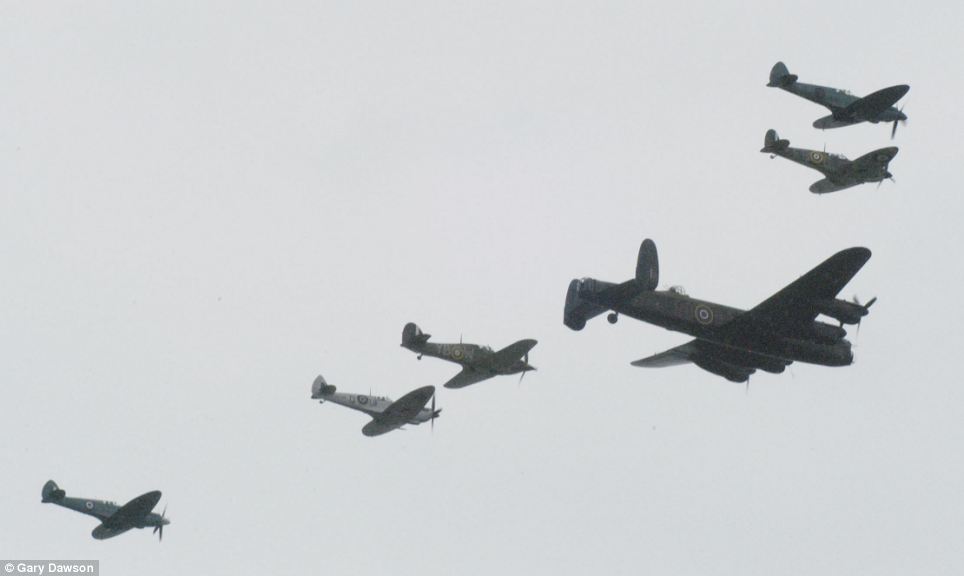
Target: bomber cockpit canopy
{"type": "Point", "coordinates": [679, 290]}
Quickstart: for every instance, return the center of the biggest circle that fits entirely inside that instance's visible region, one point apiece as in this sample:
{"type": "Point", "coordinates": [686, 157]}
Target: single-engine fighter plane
{"type": "Point", "coordinates": [478, 362]}
{"type": "Point", "coordinates": [845, 108]}
{"type": "Point", "coordinates": [729, 342]}
{"type": "Point", "coordinates": [386, 414]}
{"type": "Point", "coordinates": [839, 171]}
{"type": "Point", "coordinates": [114, 519]}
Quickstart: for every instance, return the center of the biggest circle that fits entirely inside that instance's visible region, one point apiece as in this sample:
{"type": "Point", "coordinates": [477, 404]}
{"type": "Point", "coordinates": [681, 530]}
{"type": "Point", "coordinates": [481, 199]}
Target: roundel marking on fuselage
{"type": "Point", "coordinates": [362, 399]}
{"type": "Point", "coordinates": [704, 314]}
{"type": "Point", "coordinates": [816, 157]}
{"type": "Point", "coordinates": [89, 505]}
{"type": "Point", "coordinates": [456, 352]}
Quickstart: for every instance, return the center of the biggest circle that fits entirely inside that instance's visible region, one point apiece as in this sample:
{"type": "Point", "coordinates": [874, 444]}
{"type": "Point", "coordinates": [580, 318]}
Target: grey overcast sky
{"type": "Point", "coordinates": [203, 205]}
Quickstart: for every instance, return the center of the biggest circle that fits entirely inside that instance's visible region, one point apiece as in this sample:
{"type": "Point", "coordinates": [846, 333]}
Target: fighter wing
{"type": "Point", "coordinates": [377, 428]}
{"type": "Point", "coordinates": [512, 353]}
{"type": "Point", "coordinates": [399, 412]}
{"type": "Point", "coordinates": [827, 185]}
{"type": "Point", "coordinates": [872, 105]}
{"type": "Point", "coordinates": [467, 377]}
{"type": "Point", "coordinates": [872, 165]}
{"type": "Point", "coordinates": [132, 513]}
{"type": "Point", "coordinates": [792, 308]}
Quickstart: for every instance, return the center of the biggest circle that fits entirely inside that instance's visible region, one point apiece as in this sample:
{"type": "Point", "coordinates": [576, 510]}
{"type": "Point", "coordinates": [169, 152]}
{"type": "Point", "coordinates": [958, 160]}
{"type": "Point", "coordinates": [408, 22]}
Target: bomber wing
{"type": "Point", "coordinates": [792, 308]}
{"type": "Point", "coordinates": [733, 364]}
{"type": "Point", "coordinates": [512, 353]}
{"type": "Point", "coordinates": [672, 357]}
{"type": "Point", "coordinates": [468, 376]}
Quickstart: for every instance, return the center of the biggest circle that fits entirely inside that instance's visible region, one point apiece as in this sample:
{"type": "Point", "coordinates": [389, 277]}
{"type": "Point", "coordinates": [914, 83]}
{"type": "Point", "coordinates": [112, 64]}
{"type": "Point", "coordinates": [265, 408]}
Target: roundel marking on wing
{"type": "Point", "coordinates": [816, 157]}
{"type": "Point", "coordinates": [882, 157]}
{"type": "Point", "coordinates": [704, 314]}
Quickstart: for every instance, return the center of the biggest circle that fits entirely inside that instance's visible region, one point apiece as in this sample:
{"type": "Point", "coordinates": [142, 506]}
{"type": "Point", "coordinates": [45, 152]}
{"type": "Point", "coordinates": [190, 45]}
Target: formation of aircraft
{"type": "Point", "coordinates": [387, 415]}
{"type": "Point", "coordinates": [478, 362]}
{"type": "Point", "coordinates": [845, 108]}
{"type": "Point", "coordinates": [114, 519]}
{"type": "Point", "coordinates": [839, 172]}
{"type": "Point", "coordinates": [729, 342]}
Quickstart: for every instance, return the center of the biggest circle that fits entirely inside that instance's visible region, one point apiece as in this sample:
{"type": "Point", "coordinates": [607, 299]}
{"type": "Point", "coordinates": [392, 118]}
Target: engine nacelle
{"type": "Point", "coordinates": [842, 311]}
{"type": "Point", "coordinates": [828, 333]}
{"type": "Point", "coordinates": [729, 371]}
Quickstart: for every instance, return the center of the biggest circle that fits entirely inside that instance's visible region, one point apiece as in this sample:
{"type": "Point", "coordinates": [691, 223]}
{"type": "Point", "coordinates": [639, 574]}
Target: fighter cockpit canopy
{"type": "Point", "coordinates": [677, 290]}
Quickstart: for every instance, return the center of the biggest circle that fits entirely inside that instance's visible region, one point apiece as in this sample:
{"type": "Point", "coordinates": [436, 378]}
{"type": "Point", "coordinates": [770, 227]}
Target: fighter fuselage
{"type": "Point", "coordinates": [477, 357]}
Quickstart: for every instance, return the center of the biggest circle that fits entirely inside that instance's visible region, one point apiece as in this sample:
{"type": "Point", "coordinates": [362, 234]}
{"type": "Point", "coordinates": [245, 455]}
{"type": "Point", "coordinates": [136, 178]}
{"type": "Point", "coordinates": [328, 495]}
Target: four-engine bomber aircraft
{"type": "Point", "coordinates": [729, 342]}
{"type": "Point", "coordinates": [114, 519]}
{"type": "Point", "coordinates": [839, 171]}
{"type": "Point", "coordinates": [386, 414]}
{"type": "Point", "coordinates": [845, 108]}
{"type": "Point", "coordinates": [478, 362]}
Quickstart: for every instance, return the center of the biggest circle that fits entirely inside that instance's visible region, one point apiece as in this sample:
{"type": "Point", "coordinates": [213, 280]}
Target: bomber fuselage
{"type": "Point", "coordinates": [822, 344]}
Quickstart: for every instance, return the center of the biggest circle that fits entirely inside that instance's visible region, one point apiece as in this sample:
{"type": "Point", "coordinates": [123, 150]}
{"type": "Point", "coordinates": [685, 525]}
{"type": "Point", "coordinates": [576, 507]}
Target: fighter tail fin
{"type": "Point", "coordinates": [412, 335]}
{"type": "Point", "coordinates": [51, 492]}
{"type": "Point", "coordinates": [772, 142]}
{"type": "Point", "coordinates": [320, 388]}
{"type": "Point", "coordinates": [780, 77]}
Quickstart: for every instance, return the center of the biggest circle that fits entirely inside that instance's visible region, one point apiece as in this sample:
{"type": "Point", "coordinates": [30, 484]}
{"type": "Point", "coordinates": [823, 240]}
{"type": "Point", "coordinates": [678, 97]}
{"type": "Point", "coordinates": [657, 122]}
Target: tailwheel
{"type": "Point", "coordinates": [612, 318]}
